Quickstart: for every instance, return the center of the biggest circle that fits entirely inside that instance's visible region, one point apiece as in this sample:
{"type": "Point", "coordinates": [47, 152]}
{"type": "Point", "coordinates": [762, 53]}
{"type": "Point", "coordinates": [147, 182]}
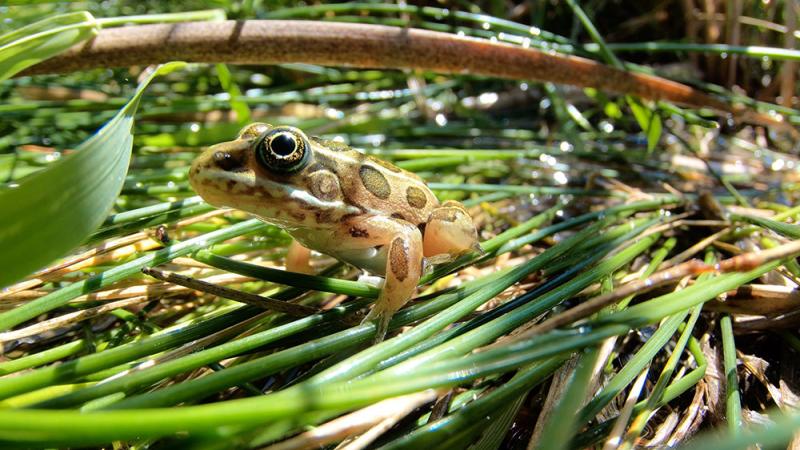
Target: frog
{"type": "Point", "coordinates": [336, 200]}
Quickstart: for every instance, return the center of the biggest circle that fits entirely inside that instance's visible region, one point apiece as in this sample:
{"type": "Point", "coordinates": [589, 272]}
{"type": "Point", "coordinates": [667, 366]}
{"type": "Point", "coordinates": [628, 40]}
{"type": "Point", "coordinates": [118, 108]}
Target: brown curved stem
{"type": "Point", "coordinates": [356, 45]}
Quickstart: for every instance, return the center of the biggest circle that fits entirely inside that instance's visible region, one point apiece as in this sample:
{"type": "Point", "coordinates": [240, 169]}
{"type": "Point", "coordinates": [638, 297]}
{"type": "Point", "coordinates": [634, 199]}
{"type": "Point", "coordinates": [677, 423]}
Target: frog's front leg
{"type": "Point", "coordinates": [400, 243]}
{"type": "Point", "coordinates": [449, 233]}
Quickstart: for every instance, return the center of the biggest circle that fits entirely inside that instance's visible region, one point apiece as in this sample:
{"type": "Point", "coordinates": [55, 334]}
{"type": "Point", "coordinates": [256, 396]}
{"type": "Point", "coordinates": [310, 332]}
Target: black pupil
{"type": "Point", "coordinates": [282, 145]}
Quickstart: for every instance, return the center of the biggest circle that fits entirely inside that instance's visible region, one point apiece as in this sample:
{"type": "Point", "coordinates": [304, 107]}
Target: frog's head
{"type": "Point", "coordinates": [260, 172]}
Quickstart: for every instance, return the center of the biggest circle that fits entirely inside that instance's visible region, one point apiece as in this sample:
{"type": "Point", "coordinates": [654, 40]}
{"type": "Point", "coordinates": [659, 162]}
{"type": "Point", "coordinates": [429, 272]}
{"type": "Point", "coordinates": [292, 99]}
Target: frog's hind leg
{"type": "Point", "coordinates": [298, 259]}
{"type": "Point", "coordinates": [449, 233]}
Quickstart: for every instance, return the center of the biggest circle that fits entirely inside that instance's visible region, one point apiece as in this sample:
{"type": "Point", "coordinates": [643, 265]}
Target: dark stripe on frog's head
{"type": "Point", "coordinates": [416, 197]}
{"type": "Point", "coordinates": [374, 181]}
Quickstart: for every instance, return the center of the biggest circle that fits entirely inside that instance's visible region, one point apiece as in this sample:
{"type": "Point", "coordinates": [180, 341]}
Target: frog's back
{"type": "Point", "coordinates": [373, 185]}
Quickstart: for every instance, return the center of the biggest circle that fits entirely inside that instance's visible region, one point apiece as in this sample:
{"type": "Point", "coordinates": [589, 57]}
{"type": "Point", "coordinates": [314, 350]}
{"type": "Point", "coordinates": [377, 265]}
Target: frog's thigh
{"type": "Point", "coordinates": [298, 258]}
{"type": "Point", "coordinates": [450, 231]}
{"type": "Point", "coordinates": [403, 265]}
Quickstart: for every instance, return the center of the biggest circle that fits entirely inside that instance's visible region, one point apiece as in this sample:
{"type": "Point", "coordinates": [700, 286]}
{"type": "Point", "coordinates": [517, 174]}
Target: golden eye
{"type": "Point", "coordinates": [282, 150]}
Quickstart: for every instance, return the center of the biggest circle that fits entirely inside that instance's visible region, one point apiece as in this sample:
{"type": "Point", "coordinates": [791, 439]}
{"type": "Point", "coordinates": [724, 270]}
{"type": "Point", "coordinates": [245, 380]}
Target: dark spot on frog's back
{"type": "Point", "coordinates": [230, 162]}
{"type": "Point", "coordinates": [416, 197]}
{"type": "Point", "coordinates": [398, 259]}
{"type": "Point", "coordinates": [374, 181]}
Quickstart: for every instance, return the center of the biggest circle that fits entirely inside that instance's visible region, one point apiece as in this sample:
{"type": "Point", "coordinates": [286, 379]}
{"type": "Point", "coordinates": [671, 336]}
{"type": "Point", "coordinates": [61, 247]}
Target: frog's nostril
{"type": "Point", "coordinates": [227, 161]}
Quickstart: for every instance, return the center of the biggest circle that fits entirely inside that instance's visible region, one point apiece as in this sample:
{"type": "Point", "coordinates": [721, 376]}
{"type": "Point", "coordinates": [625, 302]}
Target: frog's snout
{"type": "Point", "coordinates": [200, 170]}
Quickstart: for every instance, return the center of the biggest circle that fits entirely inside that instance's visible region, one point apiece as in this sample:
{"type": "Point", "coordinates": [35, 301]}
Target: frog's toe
{"type": "Point", "coordinates": [381, 320]}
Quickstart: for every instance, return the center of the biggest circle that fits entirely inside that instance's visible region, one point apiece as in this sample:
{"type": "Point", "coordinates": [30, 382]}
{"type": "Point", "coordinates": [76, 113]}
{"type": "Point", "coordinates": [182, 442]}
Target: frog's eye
{"type": "Point", "coordinates": [282, 150]}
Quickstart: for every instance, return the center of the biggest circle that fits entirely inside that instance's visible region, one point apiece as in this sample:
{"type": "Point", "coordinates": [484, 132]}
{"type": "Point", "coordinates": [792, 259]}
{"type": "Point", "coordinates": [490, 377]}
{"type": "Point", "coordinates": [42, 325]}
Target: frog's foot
{"type": "Point", "coordinates": [449, 233]}
{"type": "Point", "coordinates": [298, 259]}
{"type": "Point", "coordinates": [381, 321]}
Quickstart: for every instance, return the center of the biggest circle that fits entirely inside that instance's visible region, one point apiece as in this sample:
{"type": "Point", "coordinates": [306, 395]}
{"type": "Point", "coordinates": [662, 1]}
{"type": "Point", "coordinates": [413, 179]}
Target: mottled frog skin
{"type": "Point", "coordinates": [338, 201]}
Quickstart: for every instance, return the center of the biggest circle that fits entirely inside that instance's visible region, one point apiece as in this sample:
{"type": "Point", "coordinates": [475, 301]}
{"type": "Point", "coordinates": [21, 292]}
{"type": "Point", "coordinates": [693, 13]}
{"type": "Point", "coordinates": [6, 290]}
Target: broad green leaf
{"type": "Point", "coordinates": [20, 49]}
{"type": "Point", "coordinates": [54, 210]}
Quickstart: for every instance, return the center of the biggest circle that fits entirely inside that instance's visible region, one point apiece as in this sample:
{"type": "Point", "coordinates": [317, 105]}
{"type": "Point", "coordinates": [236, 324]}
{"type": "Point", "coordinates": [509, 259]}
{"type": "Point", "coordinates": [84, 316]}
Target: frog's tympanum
{"type": "Point", "coordinates": [338, 201]}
